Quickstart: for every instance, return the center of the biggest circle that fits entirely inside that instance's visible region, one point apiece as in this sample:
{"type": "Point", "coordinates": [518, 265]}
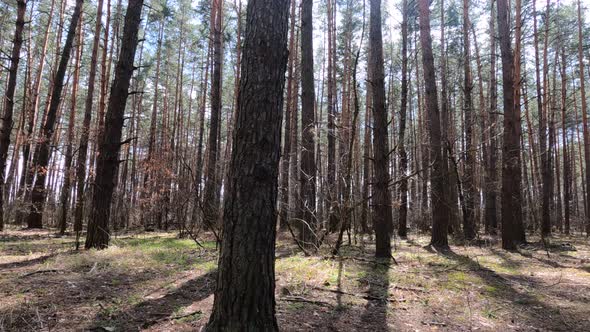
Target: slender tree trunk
{"type": "Point", "coordinates": [286, 156]}
{"type": "Point", "coordinates": [545, 145]}
{"type": "Point", "coordinates": [85, 131]}
{"type": "Point", "coordinates": [244, 297]}
{"type": "Point", "coordinates": [584, 118]}
{"type": "Point", "coordinates": [564, 150]}
{"type": "Point", "coordinates": [108, 157]}
{"type": "Point", "coordinates": [6, 121]}
{"type": "Point", "coordinates": [332, 196]}
{"type": "Point", "coordinates": [512, 230]}
{"type": "Point", "coordinates": [211, 197]}
{"type": "Point", "coordinates": [449, 178]}
{"type": "Point", "coordinates": [440, 207]}
{"type": "Point", "coordinates": [43, 152]}
{"type": "Point", "coordinates": [403, 162]}
{"type": "Point", "coordinates": [149, 163]}
{"type": "Point", "coordinates": [383, 216]}
{"type": "Point", "coordinates": [469, 191]}
{"type": "Point", "coordinates": [65, 192]}
{"type": "Point", "coordinates": [307, 177]}
{"type": "Point", "coordinates": [27, 173]}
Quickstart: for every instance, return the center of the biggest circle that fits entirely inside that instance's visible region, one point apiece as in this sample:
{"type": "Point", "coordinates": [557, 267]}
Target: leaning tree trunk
{"type": "Point", "coordinates": [108, 151]}
{"type": "Point", "coordinates": [68, 176]}
{"type": "Point", "coordinates": [440, 214]}
{"type": "Point", "coordinates": [43, 151]}
{"type": "Point", "coordinates": [6, 121]}
{"type": "Point", "coordinates": [511, 170]}
{"type": "Point", "coordinates": [244, 297]}
{"type": "Point", "coordinates": [383, 215]}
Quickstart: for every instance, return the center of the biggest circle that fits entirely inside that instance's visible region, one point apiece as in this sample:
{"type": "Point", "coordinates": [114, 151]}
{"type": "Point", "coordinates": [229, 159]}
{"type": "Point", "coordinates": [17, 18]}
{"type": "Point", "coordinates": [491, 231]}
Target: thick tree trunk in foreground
{"type": "Point", "coordinates": [307, 179]}
{"type": "Point", "coordinates": [6, 121]}
{"type": "Point", "coordinates": [43, 151]}
{"type": "Point", "coordinates": [440, 214]}
{"type": "Point", "coordinates": [512, 230]}
{"type": "Point", "coordinates": [383, 216]}
{"type": "Point", "coordinates": [108, 152]}
{"type": "Point", "coordinates": [244, 297]}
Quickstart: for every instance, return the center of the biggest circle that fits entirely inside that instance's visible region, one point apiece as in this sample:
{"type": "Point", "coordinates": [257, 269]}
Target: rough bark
{"type": "Point", "coordinates": [211, 196]}
{"type": "Point", "coordinates": [6, 121]}
{"type": "Point", "coordinates": [244, 297]}
{"type": "Point", "coordinates": [565, 153]}
{"type": "Point", "coordinates": [67, 182]}
{"type": "Point", "coordinates": [469, 190]}
{"type": "Point", "coordinates": [286, 156]}
{"type": "Point", "coordinates": [440, 214]}
{"type": "Point", "coordinates": [85, 132]}
{"type": "Point", "coordinates": [491, 172]}
{"type": "Point", "coordinates": [584, 110]}
{"type": "Point", "coordinates": [403, 156]}
{"type": "Point", "coordinates": [383, 215]}
{"type": "Point", "coordinates": [108, 157]}
{"type": "Point", "coordinates": [43, 150]}
{"type": "Point", "coordinates": [512, 230]}
{"type": "Point", "coordinates": [307, 178]}
{"type": "Point", "coordinates": [545, 143]}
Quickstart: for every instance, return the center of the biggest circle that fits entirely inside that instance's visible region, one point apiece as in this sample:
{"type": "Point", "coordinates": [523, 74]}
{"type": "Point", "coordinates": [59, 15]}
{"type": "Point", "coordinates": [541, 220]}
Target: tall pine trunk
{"type": "Point", "coordinates": [512, 230]}
{"type": "Point", "coordinates": [211, 195]}
{"type": "Point", "coordinates": [85, 132]}
{"type": "Point", "coordinates": [43, 151]}
{"type": "Point", "coordinates": [6, 121]}
{"type": "Point", "coordinates": [68, 176]}
{"type": "Point", "coordinates": [440, 212]}
{"type": "Point", "coordinates": [383, 215]}
{"type": "Point", "coordinates": [244, 296]}
{"type": "Point", "coordinates": [403, 156]}
{"type": "Point", "coordinates": [469, 191]}
{"type": "Point", "coordinates": [108, 154]}
{"type": "Point", "coordinates": [307, 176]}
{"type": "Point", "coordinates": [584, 118]}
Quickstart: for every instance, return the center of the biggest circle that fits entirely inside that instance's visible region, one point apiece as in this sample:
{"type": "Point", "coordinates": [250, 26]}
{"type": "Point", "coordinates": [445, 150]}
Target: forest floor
{"type": "Point", "coordinates": [156, 282]}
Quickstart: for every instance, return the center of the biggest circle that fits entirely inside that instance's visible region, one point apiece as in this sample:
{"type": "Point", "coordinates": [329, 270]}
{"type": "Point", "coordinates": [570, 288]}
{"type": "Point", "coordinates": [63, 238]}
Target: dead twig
{"type": "Point", "coordinates": [40, 271]}
{"type": "Point", "coordinates": [304, 300]}
{"type": "Point", "coordinates": [363, 296]}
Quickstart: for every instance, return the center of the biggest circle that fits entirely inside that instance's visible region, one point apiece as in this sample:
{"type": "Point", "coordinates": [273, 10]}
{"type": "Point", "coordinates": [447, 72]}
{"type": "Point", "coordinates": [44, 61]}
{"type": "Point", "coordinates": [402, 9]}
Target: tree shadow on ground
{"type": "Point", "coordinates": [375, 314]}
{"type": "Point", "coordinates": [507, 260]}
{"type": "Point", "coordinates": [65, 300]}
{"type": "Point", "coordinates": [28, 262]}
{"type": "Point", "coordinates": [527, 309]}
{"type": "Point", "coordinates": [153, 311]}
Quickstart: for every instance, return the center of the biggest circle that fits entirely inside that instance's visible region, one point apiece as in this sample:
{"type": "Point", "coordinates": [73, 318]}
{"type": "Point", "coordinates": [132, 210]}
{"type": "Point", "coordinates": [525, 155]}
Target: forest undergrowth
{"type": "Point", "coordinates": [157, 282]}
